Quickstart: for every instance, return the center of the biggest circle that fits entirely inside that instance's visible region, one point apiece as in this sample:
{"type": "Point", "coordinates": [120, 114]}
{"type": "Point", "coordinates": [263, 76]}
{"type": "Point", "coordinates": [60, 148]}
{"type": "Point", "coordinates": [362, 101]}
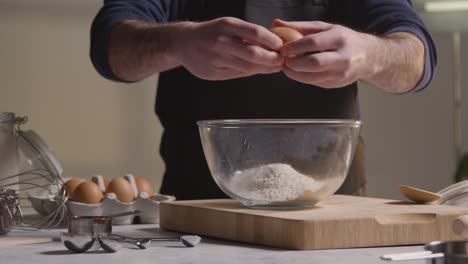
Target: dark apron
{"type": "Point", "coordinates": [184, 99]}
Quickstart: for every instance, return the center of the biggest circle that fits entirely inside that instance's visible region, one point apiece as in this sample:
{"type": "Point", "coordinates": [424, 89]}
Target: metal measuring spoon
{"type": "Point", "coordinates": [188, 241]}
{"type": "Point", "coordinates": [449, 252]}
{"type": "Point", "coordinates": [108, 244]}
{"type": "Point", "coordinates": [80, 244]}
{"type": "Point", "coordinates": [134, 212]}
{"type": "Point", "coordinates": [83, 231]}
{"type": "Point", "coordinates": [76, 243]}
{"type": "Point", "coordinates": [140, 243]}
{"type": "Point", "coordinates": [143, 243]}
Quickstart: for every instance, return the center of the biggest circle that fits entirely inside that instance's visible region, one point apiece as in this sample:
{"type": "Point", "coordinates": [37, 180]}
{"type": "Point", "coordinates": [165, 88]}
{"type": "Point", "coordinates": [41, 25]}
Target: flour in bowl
{"type": "Point", "coordinates": [273, 182]}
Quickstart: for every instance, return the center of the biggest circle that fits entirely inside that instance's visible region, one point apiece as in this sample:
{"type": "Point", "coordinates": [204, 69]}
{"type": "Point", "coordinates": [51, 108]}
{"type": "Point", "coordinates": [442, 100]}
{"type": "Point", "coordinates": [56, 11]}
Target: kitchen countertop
{"type": "Point", "coordinates": [208, 251]}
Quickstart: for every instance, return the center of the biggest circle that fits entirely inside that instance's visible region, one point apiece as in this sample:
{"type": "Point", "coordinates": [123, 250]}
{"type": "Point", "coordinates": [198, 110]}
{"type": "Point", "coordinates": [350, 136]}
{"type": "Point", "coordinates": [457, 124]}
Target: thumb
{"type": "Point", "coordinates": [305, 27]}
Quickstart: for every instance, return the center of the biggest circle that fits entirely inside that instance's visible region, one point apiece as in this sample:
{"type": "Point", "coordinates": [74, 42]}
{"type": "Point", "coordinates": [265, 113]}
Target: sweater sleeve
{"type": "Point", "coordinates": [113, 12]}
{"type": "Point", "coordinates": [382, 17]}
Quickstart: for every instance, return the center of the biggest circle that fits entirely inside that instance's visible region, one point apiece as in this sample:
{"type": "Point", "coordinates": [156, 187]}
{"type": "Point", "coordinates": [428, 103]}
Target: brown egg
{"type": "Point", "coordinates": [122, 189]}
{"type": "Point", "coordinates": [143, 185]}
{"type": "Point", "coordinates": [70, 186]}
{"type": "Point", "coordinates": [286, 34]}
{"type": "Point", "coordinates": [87, 192]}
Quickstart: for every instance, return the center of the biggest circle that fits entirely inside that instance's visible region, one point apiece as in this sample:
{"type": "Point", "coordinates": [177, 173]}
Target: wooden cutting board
{"type": "Point", "coordinates": [338, 222]}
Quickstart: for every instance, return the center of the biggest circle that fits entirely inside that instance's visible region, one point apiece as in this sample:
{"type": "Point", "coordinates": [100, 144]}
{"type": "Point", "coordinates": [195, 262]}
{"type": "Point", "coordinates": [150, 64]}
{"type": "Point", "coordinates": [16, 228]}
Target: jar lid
{"type": "Point", "coordinates": [36, 149]}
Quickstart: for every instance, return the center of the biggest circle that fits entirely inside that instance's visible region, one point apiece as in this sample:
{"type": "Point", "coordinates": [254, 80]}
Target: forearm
{"type": "Point", "coordinates": [138, 49]}
{"type": "Point", "coordinates": [218, 49]}
{"type": "Point", "coordinates": [397, 61]}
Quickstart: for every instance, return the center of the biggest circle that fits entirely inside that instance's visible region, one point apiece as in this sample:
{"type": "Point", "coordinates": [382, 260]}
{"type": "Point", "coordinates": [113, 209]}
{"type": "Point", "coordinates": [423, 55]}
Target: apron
{"type": "Point", "coordinates": [183, 99]}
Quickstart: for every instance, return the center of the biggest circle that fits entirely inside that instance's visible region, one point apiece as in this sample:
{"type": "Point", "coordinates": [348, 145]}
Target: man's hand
{"type": "Point", "coordinates": [219, 49]}
{"type": "Point", "coordinates": [227, 48]}
{"type": "Point", "coordinates": [333, 56]}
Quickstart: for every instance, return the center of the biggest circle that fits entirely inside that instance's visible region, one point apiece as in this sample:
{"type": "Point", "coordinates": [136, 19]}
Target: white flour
{"type": "Point", "coordinates": [272, 182]}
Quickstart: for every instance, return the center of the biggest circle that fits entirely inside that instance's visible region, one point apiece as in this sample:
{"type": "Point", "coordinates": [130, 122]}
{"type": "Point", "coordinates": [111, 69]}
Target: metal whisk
{"type": "Point", "coordinates": [42, 178]}
{"type": "Point", "coordinates": [39, 180]}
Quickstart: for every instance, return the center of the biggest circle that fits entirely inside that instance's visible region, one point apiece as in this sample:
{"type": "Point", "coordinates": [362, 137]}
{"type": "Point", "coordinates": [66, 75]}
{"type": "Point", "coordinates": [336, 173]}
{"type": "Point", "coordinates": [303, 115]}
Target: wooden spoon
{"type": "Point", "coordinates": [418, 195]}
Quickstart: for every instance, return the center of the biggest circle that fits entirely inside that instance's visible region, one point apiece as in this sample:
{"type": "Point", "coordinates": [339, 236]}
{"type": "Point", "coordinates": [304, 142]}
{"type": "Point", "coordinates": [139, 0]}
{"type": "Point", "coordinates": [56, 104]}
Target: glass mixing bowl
{"type": "Point", "coordinates": [279, 164]}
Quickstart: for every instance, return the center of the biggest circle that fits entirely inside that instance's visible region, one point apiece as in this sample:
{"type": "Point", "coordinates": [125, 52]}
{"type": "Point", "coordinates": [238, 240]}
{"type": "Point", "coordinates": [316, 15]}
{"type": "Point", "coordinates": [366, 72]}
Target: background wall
{"type": "Point", "coordinates": [409, 138]}
{"type": "Point", "coordinates": [97, 126]}
{"type": "Point", "coordinates": [93, 125]}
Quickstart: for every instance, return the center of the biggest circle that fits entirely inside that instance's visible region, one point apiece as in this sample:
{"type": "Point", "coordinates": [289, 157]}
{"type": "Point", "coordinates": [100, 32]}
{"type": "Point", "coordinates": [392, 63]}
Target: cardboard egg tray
{"type": "Point", "coordinates": [149, 207]}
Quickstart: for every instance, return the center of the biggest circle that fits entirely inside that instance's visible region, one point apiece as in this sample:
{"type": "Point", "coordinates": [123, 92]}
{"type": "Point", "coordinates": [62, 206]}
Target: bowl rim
{"type": "Point", "coordinates": [278, 122]}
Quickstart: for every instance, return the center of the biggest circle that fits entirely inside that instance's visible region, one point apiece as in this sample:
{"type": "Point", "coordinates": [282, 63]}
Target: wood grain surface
{"type": "Point", "coordinates": [338, 222]}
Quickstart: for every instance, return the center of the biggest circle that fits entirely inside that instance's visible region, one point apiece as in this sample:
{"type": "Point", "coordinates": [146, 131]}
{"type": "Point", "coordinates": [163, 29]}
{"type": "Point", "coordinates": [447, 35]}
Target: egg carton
{"type": "Point", "coordinates": [148, 206]}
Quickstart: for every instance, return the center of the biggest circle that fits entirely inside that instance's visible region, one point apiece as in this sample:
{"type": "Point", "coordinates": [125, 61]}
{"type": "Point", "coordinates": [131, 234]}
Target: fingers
{"type": "Point", "coordinates": [308, 77]}
{"type": "Point", "coordinates": [248, 50]}
{"type": "Point", "coordinates": [317, 62]}
{"type": "Point", "coordinates": [305, 27]}
{"type": "Point", "coordinates": [252, 53]}
{"type": "Point", "coordinates": [252, 33]}
{"type": "Point", "coordinates": [228, 74]}
{"type": "Point", "coordinates": [241, 65]}
{"type": "Point", "coordinates": [335, 59]}
{"type": "Point", "coordinates": [325, 79]}
{"type": "Point", "coordinates": [322, 41]}
{"type": "Point", "coordinates": [318, 36]}
{"type": "Point", "coordinates": [331, 84]}
{"type": "Point", "coordinates": [244, 57]}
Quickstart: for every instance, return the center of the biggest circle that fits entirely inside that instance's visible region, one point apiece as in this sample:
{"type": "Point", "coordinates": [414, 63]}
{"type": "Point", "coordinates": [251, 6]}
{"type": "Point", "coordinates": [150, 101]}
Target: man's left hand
{"type": "Point", "coordinates": [328, 56]}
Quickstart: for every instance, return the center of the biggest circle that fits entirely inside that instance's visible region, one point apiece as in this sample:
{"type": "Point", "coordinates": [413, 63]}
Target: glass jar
{"type": "Point", "coordinates": [13, 141]}
{"type": "Point", "coordinates": [28, 170]}
{"type": "Point", "coordinates": [9, 157]}
{"type": "Point", "coordinates": [9, 165]}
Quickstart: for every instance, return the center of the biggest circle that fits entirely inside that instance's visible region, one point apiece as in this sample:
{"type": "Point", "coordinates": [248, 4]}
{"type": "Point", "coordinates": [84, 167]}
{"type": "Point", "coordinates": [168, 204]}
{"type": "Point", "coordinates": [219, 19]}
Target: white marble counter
{"type": "Point", "coordinates": [208, 251]}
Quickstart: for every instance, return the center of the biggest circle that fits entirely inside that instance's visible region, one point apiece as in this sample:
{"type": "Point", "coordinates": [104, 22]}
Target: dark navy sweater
{"type": "Point", "coordinates": [182, 99]}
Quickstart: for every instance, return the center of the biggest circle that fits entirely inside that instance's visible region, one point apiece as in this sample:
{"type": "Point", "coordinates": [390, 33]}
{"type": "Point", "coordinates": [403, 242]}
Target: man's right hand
{"type": "Point", "coordinates": [219, 49]}
{"type": "Point", "coordinates": [226, 48]}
